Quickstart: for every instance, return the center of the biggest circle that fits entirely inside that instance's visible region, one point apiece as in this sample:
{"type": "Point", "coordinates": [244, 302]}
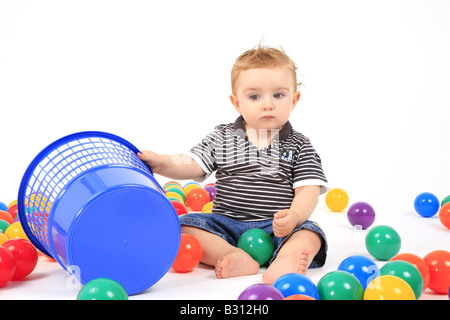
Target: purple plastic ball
{"type": "Point", "coordinates": [361, 214]}
{"type": "Point", "coordinates": [212, 192]}
{"type": "Point", "coordinates": [261, 291]}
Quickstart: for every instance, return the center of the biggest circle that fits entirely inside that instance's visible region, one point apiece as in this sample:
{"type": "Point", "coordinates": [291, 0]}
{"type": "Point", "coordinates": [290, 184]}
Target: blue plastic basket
{"type": "Point", "coordinates": [89, 202]}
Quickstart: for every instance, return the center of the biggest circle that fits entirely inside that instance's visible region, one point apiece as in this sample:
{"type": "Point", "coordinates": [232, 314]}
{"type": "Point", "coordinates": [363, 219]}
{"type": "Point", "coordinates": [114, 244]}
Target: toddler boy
{"type": "Point", "coordinates": [268, 176]}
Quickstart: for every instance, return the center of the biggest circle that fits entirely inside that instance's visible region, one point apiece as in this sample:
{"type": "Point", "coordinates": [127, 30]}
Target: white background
{"type": "Point", "coordinates": [375, 101]}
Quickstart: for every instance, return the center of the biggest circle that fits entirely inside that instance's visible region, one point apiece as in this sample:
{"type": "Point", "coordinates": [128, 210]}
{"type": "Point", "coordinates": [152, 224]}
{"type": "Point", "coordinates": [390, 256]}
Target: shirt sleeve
{"type": "Point", "coordinates": [204, 153]}
{"type": "Point", "coordinates": [308, 168]}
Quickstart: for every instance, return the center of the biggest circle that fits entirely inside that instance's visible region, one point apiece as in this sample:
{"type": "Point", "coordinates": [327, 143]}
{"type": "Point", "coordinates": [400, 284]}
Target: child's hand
{"type": "Point", "coordinates": [152, 158]}
{"type": "Point", "coordinates": [284, 222]}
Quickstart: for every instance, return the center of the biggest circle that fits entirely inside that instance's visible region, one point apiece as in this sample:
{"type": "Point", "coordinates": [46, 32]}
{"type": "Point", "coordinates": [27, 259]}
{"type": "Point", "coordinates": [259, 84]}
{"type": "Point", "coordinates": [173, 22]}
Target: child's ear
{"type": "Point", "coordinates": [235, 102]}
{"type": "Point", "coordinates": [297, 95]}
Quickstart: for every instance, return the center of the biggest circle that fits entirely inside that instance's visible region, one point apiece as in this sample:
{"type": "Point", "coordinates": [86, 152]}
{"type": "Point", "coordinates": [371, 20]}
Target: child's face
{"type": "Point", "coordinates": [265, 97]}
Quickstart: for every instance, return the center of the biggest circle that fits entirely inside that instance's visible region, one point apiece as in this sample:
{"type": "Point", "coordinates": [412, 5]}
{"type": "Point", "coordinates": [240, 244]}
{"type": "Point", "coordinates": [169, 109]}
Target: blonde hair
{"type": "Point", "coordinates": [262, 57]}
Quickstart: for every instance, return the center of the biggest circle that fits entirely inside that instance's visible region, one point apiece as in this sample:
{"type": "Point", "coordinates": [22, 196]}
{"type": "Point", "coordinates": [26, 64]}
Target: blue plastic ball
{"type": "Point", "coordinates": [295, 283]}
{"type": "Point", "coordinates": [426, 204]}
{"type": "Point", "coordinates": [363, 268]}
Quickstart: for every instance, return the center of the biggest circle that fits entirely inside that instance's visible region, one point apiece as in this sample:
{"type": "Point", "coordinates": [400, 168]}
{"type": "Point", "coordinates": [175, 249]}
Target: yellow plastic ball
{"type": "Point", "coordinates": [207, 208]}
{"type": "Point", "coordinates": [3, 238]}
{"type": "Point", "coordinates": [189, 187]}
{"type": "Point", "coordinates": [389, 287]}
{"type": "Point", "coordinates": [336, 199]}
{"type": "Point", "coordinates": [15, 230]}
{"type": "Point", "coordinates": [175, 195]}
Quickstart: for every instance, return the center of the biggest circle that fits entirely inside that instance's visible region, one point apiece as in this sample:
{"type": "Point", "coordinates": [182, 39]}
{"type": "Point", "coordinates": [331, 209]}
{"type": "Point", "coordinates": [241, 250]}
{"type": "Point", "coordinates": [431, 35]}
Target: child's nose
{"type": "Point", "coordinates": [268, 104]}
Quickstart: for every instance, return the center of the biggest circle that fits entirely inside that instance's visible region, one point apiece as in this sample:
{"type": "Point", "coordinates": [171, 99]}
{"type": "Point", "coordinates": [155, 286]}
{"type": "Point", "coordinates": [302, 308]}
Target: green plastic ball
{"type": "Point", "coordinates": [102, 289]}
{"type": "Point", "coordinates": [258, 244]}
{"type": "Point", "coordinates": [340, 285]}
{"type": "Point", "coordinates": [383, 242]}
{"type": "Point", "coordinates": [407, 272]}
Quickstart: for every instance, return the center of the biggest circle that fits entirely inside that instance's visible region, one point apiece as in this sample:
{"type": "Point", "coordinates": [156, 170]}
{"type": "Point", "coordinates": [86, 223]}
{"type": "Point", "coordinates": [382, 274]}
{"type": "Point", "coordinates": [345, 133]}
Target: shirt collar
{"type": "Point", "coordinates": [239, 127]}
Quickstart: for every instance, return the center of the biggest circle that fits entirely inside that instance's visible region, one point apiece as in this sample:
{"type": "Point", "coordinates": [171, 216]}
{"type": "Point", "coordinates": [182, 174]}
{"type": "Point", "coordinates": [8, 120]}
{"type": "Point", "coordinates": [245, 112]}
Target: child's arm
{"type": "Point", "coordinates": [178, 166]}
{"type": "Point", "coordinates": [303, 205]}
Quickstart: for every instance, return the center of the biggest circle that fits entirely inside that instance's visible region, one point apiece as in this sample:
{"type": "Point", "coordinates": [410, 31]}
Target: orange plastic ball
{"type": "Point", "coordinates": [299, 297]}
{"type": "Point", "coordinates": [196, 198]}
{"type": "Point", "coordinates": [189, 254]}
{"type": "Point", "coordinates": [444, 215]}
{"type": "Point", "coordinates": [5, 215]}
{"type": "Point", "coordinates": [439, 264]}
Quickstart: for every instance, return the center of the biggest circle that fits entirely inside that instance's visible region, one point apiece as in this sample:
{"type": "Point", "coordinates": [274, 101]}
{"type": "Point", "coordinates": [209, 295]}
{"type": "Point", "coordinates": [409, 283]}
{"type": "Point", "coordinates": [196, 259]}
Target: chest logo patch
{"type": "Point", "coordinates": [288, 155]}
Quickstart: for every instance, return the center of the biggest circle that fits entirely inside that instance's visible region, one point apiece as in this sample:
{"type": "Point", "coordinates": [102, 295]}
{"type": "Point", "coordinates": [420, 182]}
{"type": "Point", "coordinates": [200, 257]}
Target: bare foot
{"type": "Point", "coordinates": [297, 262]}
{"type": "Point", "coordinates": [236, 264]}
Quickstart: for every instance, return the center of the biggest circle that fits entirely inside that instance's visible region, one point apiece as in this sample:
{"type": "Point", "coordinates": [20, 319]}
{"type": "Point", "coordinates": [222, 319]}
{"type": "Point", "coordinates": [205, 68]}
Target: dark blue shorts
{"type": "Point", "coordinates": [231, 230]}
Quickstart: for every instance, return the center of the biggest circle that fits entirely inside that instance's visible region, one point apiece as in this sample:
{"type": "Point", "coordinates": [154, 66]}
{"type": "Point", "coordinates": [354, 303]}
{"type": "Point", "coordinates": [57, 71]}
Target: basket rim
{"type": "Point", "coordinates": [41, 155]}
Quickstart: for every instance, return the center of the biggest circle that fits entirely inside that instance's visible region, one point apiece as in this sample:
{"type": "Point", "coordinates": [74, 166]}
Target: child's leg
{"type": "Point", "coordinates": [228, 260]}
{"type": "Point", "coordinates": [295, 255]}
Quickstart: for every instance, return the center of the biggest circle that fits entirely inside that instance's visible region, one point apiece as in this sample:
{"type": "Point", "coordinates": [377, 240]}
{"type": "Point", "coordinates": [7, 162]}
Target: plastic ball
{"type": "Point", "coordinates": [3, 206]}
{"type": "Point", "coordinates": [361, 214]}
{"type": "Point", "coordinates": [407, 272]}
{"type": "Point", "coordinates": [261, 291]}
{"type": "Point", "coordinates": [196, 198]}
{"type": "Point", "coordinates": [383, 242]}
{"type": "Point", "coordinates": [388, 287]}
{"type": "Point", "coordinates": [258, 244]}
{"type": "Point", "coordinates": [189, 186]}
{"type": "Point", "coordinates": [444, 215]}
{"type": "Point", "coordinates": [180, 208]}
{"type": "Point", "coordinates": [102, 289]}
{"type": "Point", "coordinates": [363, 268]}
{"type": "Point", "coordinates": [418, 262]}
{"type": "Point", "coordinates": [445, 200]}
{"type": "Point", "coordinates": [212, 192]}
{"type": "Point", "coordinates": [207, 208]}
{"type": "Point", "coordinates": [7, 266]}
{"type": "Point", "coordinates": [174, 195]}
{"type": "Point", "coordinates": [25, 255]}
{"type": "Point", "coordinates": [439, 264]}
{"type": "Point", "coordinates": [426, 204]}
{"type": "Point", "coordinates": [16, 231]}
{"type": "Point", "coordinates": [299, 297]}
{"type": "Point", "coordinates": [4, 225]}
{"type": "Point", "coordinates": [172, 184]}
{"type": "Point", "coordinates": [4, 215]}
{"type": "Point", "coordinates": [336, 199]}
{"type": "Point", "coordinates": [340, 285]}
{"type": "Point", "coordinates": [177, 191]}
{"type": "Point", "coordinates": [296, 283]}
{"type": "Point", "coordinates": [3, 238]}
{"type": "Point", "coordinates": [12, 210]}
{"type": "Point", "coordinates": [189, 254]}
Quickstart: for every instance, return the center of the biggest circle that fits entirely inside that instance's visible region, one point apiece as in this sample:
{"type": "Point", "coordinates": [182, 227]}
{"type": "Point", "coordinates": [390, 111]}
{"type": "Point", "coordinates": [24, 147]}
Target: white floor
{"type": "Point", "coordinates": [419, 236]}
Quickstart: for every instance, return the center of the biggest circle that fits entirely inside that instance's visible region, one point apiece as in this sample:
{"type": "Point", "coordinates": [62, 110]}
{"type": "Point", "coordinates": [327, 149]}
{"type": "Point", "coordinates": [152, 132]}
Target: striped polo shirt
{"type": "Point", "coordinates": [252, 184]}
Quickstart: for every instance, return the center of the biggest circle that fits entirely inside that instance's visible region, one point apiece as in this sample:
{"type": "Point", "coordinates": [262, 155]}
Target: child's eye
{"type": "Point", "coordinates": [278, 95]}
{"type": "Point", "coordinates": [254, 97]}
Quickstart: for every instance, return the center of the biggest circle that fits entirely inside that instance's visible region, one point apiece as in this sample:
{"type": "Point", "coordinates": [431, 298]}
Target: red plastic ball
{"type": "Point", "coordinates": [7, 266]}
{"type": "Point", "coordinates": [25, 255]}
{"type": "Point", "coordinates": [439, 264]}
{"type": "Point", "coordinates": [189, 254]}
{"type": "Point", "coordinates": [13, 211]}
{"type": "Point", "coordinates": [197, 198]}
{"type": "Point", "coordinates": [179, 207]}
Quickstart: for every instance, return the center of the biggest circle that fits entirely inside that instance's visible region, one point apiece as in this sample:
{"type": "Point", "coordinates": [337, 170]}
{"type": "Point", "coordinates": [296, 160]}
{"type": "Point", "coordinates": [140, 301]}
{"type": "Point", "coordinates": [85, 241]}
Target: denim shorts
{"type": "Point", "coordinates": [231, 229]}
